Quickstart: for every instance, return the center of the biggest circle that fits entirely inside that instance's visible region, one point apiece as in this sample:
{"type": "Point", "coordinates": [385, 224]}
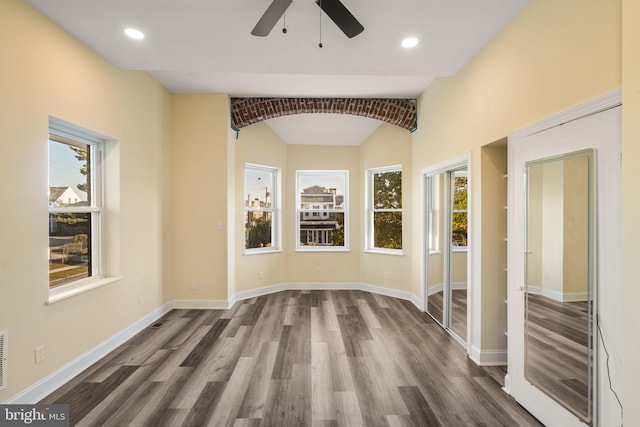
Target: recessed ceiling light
{"type": "Point", "coordinates": [134, 34]}
{"type": "Point", "coordinates": [410, 42]}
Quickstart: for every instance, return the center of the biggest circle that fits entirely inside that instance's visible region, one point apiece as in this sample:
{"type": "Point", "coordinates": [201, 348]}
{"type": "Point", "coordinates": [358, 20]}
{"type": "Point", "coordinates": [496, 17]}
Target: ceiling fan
{"type": "Point", "coordinates": [338, 13]}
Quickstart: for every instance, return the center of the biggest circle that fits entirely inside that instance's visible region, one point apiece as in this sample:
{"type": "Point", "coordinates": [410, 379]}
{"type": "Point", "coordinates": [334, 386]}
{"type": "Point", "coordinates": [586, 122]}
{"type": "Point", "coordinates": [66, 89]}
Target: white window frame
{"type": "Point", "coordinates": [371, 210]}
{"type": "Point", "coordinates": [65, 132]}
{"type": "Point", "coordinates": [461, 173]}
{"type": "Point", "coordinates": [275, 208]}
{"type": "Point", "coordinates": [343, 174]}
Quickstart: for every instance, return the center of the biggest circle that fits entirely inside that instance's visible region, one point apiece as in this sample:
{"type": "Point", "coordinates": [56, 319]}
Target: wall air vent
{"type": "Point", "coordinates": [4, 337]}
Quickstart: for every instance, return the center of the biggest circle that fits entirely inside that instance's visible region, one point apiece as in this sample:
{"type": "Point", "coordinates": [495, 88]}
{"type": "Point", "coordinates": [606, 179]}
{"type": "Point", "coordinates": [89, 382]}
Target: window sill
{"type": "Point", "coordinates": [57, 296]}
{"type": "Point", "coordinates": [321, 249]}
{"type": "Point", "coordinates": [396, 252]}
{"type": "Point", "coordinates": [459, 248]}
{"type": "Point", "coordinates": [263, 251]}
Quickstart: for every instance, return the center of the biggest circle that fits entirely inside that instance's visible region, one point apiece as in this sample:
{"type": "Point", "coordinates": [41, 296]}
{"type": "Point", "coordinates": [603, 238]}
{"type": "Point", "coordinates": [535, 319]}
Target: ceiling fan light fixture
{"type": "Point", "coordinates": [134, 34]}
{"type": "Point", "coordinates": [410, 42]}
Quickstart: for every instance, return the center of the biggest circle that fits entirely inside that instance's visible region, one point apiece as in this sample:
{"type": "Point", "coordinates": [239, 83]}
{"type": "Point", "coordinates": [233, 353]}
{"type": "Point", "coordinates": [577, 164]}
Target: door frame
{"type": "Point", "coordinates": [608, 180]}
{"type": "Point", "coordinates": [463, 160]}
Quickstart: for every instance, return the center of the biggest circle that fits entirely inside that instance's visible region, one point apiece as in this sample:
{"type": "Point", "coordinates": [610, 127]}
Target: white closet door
{"type": "Point", "coordinates": [595, 125]}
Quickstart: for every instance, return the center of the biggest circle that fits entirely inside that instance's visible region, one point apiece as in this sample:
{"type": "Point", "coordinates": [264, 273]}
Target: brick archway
{"type": "Point", "coordinates": [399, 112]}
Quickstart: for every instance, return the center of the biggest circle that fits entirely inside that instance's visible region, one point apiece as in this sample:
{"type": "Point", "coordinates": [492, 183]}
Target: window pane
{"type": "Point", "coordinates": [321, 192]}
{"type": "Point", "coordinates": [460, 193]}
{"type": "Point", "coordinates": [69, 247]}
{"type": "Point", "coordinates": [318, 228]}
{"type": "Point", "coordinates": [459, 229]}
{"type": "Point", "coordinates": [387, 230]}
{"type": "Point", "coordinates": [69, 174]}
{"type": "Point", "coordinates": [258, 188]}
{"type": "Point", "coordinates": [258, 230]}
{"type": "Point", "coordinates": [387, 190]}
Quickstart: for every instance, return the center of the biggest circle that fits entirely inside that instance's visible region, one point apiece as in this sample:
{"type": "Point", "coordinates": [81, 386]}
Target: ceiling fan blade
{"type": "Point", "coordinates": [270, 18]}
{"type": "Point", "coordinates": [341, 16]}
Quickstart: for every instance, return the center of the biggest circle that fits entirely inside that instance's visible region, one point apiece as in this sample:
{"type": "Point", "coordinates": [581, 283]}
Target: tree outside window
{"type": "Point", "coordinates": [460, 210]}
{"type": "Point", "coordinates": [385, 208]}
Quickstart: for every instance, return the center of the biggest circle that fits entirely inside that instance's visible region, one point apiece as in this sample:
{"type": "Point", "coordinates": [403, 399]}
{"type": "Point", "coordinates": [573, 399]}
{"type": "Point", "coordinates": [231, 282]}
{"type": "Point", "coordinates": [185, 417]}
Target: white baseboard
{"type": "Point", "coordinates": [204, 304]}
{"type": "Point", "coordinates": [358, 286]}
{"type": "Point", "coordinates": [456, 286]}
{"type": "Point", "coordinates": [488, 357]}
{"type": "Point", "coordinates": [56, 379]}
{"type": "Point", "coordinates": [507, 384]}
{"type": "Point", "coordinates": [558, 295]}
{"type": "Point", "coordinates": [64, 374]}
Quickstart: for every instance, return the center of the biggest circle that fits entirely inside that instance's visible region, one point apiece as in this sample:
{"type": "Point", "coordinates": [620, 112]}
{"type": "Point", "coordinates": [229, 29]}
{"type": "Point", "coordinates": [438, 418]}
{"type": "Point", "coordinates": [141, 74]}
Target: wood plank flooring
{"type": "Point", "coordinates": [458, 310]}
{"type": "Point", "coordinates": [558, 359]}
{"type": "Point", "coordinates": [294, 358]}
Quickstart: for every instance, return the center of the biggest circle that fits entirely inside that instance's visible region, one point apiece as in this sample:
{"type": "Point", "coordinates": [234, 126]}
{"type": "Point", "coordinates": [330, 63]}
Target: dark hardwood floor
{"type": "Point", "coordinates": [295, 358]}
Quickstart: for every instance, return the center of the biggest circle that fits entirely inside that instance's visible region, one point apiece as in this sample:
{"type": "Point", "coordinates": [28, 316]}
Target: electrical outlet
{"type": "Point", "coordinates": [141, 300]}
{"type": "Point", "coordinates": [39, 353]}
{"type": "Point", "coordinates": [194, 285]}
{"type": "Point", "coordinates": [260, 275]}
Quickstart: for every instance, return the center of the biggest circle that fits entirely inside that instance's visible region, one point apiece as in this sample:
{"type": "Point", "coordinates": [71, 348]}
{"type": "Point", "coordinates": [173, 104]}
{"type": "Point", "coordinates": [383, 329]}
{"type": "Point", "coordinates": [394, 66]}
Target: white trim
{"type": "Point", "coordinates": [357, 286]}
{"type": "Point", "coordinates": [343, 173]}
{"type": "Point", "coordinates": [557, 295]}
{"type": "Point", "coordinates": [184, 304]}
{"type": "Point", "coordinates": [604, 102]}
{"type": "Point", "coordinates": [64, 374]}
{"type": "Point", "coordinates": [607, 266]}
{"type": "Point", "coordinates": [447, 165]}
{"type": "Point", "coordinates": [456, 286]}
{"type": "Point", "coordinates": [80, 288]}
{"type": "Point", "coordinates": [370, 210]}
{"type": "Point", "coordinates": [473, 314]}
{"type": "Point", "coordinates": [381, 251]}
{"type": "Point", "coordinates": [67, 372]}
{"type": "Point", "coordinates": [488, 357]}
{"type": "Point", "coordinates": [275, 209]}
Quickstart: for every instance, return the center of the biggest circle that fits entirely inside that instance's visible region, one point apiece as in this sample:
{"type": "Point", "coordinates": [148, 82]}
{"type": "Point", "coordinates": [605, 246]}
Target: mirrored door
{"type": "Point", "coordinates": [555, 261]}
{"type": "Point", "coordinates": [447, 261]}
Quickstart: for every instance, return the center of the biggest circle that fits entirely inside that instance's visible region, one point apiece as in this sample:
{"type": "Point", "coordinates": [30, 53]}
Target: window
{"type": "Point", "coordinates": [261, 209]}
{"type": "Point", "coordinates": [75, 205]}
{"type": "Point", "coordinates": [459, 211]}
{"type": "Point", "coordinates": [322, 206]}
{"type": "Point", "coordinates": [384, 209]}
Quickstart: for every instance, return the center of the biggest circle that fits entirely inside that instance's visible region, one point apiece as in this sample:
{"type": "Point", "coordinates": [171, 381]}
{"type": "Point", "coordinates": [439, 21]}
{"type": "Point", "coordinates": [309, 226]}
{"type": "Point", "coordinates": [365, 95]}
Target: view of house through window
{"type": "Point", "coordinates": [459, 216]}
{"type": "Point", "coordinates": [73, 211]}
{"type": "Point", "coordinates": [322, 207]}
{"type": "Point", "coordinates": [385, 208]}
{"type": "Point", "coordinates": [260, 207]}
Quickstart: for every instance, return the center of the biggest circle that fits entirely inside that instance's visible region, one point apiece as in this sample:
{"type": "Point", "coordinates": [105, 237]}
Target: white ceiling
{"type": "Point", "coordinates": [206, 46]}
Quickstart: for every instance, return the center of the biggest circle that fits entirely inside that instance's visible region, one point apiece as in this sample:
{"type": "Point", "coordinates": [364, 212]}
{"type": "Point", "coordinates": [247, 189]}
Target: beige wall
{"type": "Point", "coordinates": [258, 144]}
{"type": "Point", "coordinates": [575, 254]}
{"type": "Point", "coordinates": [389, 145]}
{"type": "Point", "coordinates": [322, 266]}
{"type": "Point", "coordinates": [199, 192]}
{"type": "Point", "coordinates": [47, 72]}
{"type": "Point", "coordinates": [631, 207]}
{"type": "Point", "coordinates": [552, 56]}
